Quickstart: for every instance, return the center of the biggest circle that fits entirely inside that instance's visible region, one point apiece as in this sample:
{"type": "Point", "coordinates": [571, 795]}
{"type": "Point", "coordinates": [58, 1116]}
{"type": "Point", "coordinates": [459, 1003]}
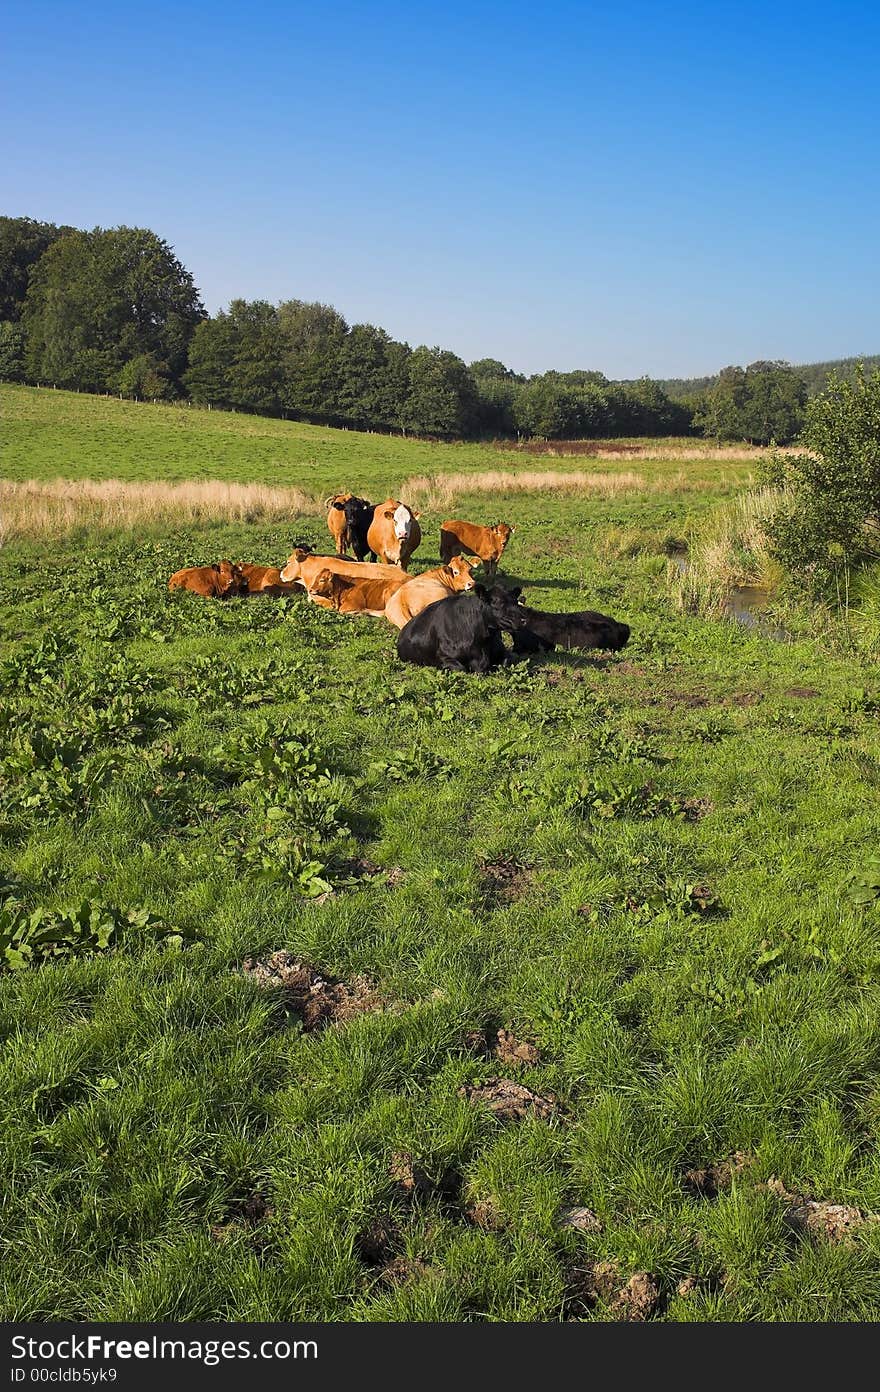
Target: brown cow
{"type": "Point", "coordinates": [337, 523]}
{"type": "Point", "coordinates": [265, 580]}
{"type": "Point", "coordinates": [394, 533]}
{"type": "Point", "coordinates": [217, 581]}
{"type": "Point", "coordinates": [353, 596]}
{"type": "Point", "coordinates": [303, 567]}
{"type": "Point", "coordinates": [426, 589]}
{"type": "Point", "coordinates": [486, 542]}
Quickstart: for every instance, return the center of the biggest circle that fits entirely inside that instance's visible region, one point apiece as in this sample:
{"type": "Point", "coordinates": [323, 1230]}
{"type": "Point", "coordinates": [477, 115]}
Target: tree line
{"type": "Point", "coordinates": [114, 310]}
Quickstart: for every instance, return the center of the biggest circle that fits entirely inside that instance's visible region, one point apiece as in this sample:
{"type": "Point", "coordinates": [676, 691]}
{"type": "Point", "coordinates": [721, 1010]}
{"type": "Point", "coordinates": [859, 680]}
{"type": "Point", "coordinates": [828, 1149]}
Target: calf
{"type": "Point", "coordinates": [394, 533]}
{"type": "Point", "coordinates": [486, 542]}
{"type": "Point", "coordinates": [540, 632]}
{"type": "Point", "coordinates": [459, 634]}
{"type": "Point", "coordinates": [218, 581]}
{"type": "Point", "coordinates": [348, 595]}
{"type": "Point", "coordinates": [303, 567]}
{"type": "Point", "coordinates": [426, 589]}
{"type": "Point", "coordinates": [265, 580]}
{"type": "Point", "coordinates": [337, 523]}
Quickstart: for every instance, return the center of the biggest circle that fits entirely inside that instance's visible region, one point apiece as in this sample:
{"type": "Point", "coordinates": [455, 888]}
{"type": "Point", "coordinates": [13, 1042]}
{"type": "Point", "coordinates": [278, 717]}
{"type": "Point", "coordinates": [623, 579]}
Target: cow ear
{"type": "Point", "coordinates": [215, 567]}
{"type": "Point", "coordinates": [388, 514]}
{"type": "Point", "coordinates": [473, 561]}
{"type": "Point", "coordinates": [517, 591]}
{"type": "Point", "coordinates": [300, 553]}
{"type": "Point", "coordinates": [339, 506]}
{"type": "Point", "coordinates": [417, 514]}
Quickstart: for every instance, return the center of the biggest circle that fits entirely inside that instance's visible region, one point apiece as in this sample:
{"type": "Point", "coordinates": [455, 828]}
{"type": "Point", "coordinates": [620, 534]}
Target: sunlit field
{"type": "Point", "coordinates": [336, 989]}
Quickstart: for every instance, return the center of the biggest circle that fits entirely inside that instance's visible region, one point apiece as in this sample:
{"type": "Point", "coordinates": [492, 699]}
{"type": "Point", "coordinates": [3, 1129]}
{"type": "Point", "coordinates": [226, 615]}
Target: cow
{"type": "Point", "coordinates": [265, 580]}
{"type": "Point", "coordinates": [352, 595]}
{"type": "Point", "coordinates": [303, 566]}
{"type": "Point", "coordinates": [337, 523]}
{"type": "Point", "coordinates": [358, 517]}
{"type": "Point", "coordinates": [541, 632]}
{"type": "Point", "coordinates": [218, 581]}
{"type": "Point", "coordinates": [426, 589]}
{"type": "Point", "coordinates": [459, 634]}
{"type": "Point", "coordinates": [394, 533]}
{"type": "Point", "coordinates": [486, 542]}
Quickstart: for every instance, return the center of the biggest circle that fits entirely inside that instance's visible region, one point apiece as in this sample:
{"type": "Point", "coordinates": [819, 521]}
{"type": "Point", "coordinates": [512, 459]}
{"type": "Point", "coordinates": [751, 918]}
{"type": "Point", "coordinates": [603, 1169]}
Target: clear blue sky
{"type": "Point", "coordinates": [641, 187]}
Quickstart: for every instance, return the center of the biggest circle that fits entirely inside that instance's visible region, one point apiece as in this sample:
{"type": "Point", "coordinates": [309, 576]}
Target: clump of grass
{"type": "Point", "coordinates": [36, 510]}
{"type": "Point", "coordinates": [624, 542]}
{"type": "Point", "coordinates": [731, 549]}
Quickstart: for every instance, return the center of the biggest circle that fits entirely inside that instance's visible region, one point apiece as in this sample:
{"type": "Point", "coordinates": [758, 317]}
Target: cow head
{"type": "Point", "coordinates": [507, 608]}
{"type": "Point", "coordinates": [358, 512]}
{"type": "Point", "coordinates": [326, 585]}
{"type": "Point", "coordinates": [338, 501]}
{"type": "Point", "coordinates": [294, 562]}
{"type": "Point", "coordinates": [457, 574]}
{"type": "Point", "coordinates": [502, 533]}
{"type": "Point", "coordinates": [230, 579]}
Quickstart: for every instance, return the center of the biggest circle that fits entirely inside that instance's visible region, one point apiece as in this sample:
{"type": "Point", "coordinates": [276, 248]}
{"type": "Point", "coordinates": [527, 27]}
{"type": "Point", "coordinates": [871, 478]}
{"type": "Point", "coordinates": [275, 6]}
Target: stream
{"type": "Point", "coordinates": [746, 605]}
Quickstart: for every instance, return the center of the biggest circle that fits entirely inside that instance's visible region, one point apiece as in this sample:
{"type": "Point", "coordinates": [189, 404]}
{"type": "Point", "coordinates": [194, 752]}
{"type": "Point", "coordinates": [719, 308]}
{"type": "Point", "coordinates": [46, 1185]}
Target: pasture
{"type": "Point", "coordinates": [588, 1021]}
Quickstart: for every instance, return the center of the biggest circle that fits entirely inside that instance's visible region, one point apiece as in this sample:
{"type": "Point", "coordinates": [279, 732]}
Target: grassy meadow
{"type": "Point", "coordinates": [591, 1030]}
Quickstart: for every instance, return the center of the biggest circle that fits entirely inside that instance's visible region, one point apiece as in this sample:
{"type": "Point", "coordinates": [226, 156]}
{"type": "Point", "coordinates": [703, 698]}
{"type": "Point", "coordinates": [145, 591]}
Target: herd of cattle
{"type": "Point", "coordinates": [446, 619]}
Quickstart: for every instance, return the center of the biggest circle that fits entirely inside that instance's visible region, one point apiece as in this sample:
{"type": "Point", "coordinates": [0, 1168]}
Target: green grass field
{"type": "Point", "coordinates": [638, 865]}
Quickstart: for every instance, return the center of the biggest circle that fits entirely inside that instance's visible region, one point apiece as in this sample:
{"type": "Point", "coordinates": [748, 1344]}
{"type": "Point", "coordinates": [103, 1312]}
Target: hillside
{"type": "Point", "coordinates": [814, 374]}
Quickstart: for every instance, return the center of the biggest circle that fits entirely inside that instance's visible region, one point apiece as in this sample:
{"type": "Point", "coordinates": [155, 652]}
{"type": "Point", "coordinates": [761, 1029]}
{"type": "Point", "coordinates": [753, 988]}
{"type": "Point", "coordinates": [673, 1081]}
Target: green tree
{"type": "Point", "coordinates": [760, 403]}
{"type": "Point", "coordinates": [548, 407]}
{"type": "Point", "coordinates": [311, 337]}
{"type": "Point", "coordinates": [11, 353]}
{"type": "Point", "coordinates": [22, 243]}
{"type": "Point", "coordinates": [145, 378]}
{"type": "Point", "coordinates": [830, 518]}
{"type": "Point", "coordinates": [97, 300]}
{"type": "Point", "coordinates": [442, 396]}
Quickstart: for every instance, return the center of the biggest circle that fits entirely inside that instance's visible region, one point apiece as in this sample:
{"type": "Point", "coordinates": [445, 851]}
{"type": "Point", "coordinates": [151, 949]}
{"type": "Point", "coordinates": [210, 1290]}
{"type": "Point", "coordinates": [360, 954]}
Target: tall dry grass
{"type": "Point", "coordinates": [731, 550]}
{"type": "Point", "coordinates": [65, 505]}
{"type": "Point", "coordinates": [439, 491]}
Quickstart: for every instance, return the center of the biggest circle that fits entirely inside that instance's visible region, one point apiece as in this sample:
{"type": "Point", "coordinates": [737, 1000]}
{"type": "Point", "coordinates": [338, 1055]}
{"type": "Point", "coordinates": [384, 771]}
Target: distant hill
{"type": "Point", "coordinates": [814, 374]}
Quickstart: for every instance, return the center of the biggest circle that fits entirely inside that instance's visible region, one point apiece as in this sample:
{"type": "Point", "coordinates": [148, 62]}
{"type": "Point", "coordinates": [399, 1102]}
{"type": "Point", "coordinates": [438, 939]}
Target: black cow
{"type": "Point", "coordinates": [459, 634]}
{"type": "Point", "coordinates": [358, 516]}
{"type": "Point", "coordinates": [540, 632]}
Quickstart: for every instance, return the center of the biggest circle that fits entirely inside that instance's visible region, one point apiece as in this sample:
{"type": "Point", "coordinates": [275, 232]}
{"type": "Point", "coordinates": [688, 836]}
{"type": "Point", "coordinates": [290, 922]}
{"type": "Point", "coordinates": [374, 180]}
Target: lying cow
{"type": "Point", "coordinates": [337, 523]}
{"type": "Point", "coordinates": [303, 568]}
{"type": "Point", "coordinates": [218, 581]}
{"type": "Point", "coordinates": [426, 589]}
{"type": "Point", "coordinates": [540, 632]}
{"type": "Point", "coordinates": [486, 542]}
{"type": "Point", "coordinates": [349, 595]}
{"type": "Point", "coordinates": [394, 533]}
{"type": "Point", "coordinates": [265, 580]}
{"type": "Point", "coordinates": [459, 634]}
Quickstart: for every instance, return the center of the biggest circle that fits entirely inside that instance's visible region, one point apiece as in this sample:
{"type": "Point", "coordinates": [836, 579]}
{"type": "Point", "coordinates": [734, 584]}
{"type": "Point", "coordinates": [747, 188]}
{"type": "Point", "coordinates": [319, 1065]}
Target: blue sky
{"type": "Point", "coordinates": [637, 188]}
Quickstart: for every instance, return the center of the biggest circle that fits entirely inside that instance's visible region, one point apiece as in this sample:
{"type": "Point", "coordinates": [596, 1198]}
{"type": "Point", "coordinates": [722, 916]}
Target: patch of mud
{"type": "Point", "coordinates": [818, 1218]}
{"type": "Point", "coordinates": [688, 1286]}
{"type": "Point", "coordinates": [402, 1269]}
{"type": "Point", "coordinates": [485, 1214]}
{"type": "Point", "coordinates": [502, 881]}
{"type": "Point", "coordinates": [580, 1219]}
{"type": "Point", "coordinates": [633, 1301]}
{"type": "Point", "coordinates": [377, 1243]}
{"type": "Point", "coordinates": [743, 699]}
{"type": "Point", "coordinates": [314, 999]}
{"type": "Point", "coordinates": [635, 669]}
{"type": "Point", "coordinates": [358, 868]}
{"type": "Point", "coordinates": [707, 1182]}
{"type": "Point", "coordinates": [245, 1214]}
{"type": "Point", "coordinates": [412, 1181]}
{"type": "Point", "coordinates": [803, 693]}
{"type": "Point", "coordinates": [512, 1051]}
{"type": "Point", "coordinates": [695, 809]}
{"type": "Point", "coordinates": [508, 1101]}
{"type": "Point", "coordinates": [692, 700]}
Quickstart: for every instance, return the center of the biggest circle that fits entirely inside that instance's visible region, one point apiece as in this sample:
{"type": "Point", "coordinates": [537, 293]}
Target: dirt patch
{"type": "Point", "coordinates": [695, 809]}
{"type": "Point", "coordinates": [579, 1219]}
{"type": "Point", "coordinates": [818, 1218]}
{"type": "Point", "coordinates": [512, 1051]}
{"type": "Point", "coordinates": [377, 1243]}
{"type": "Point", "coordinates": [691, 700]}
{"type": "Point", "coordinates": [706, 1182]}
{"type": "Point", "coordinates": [634, 669]}
{"type": "Point", "coordinates": [745, 698]}
{"type": "Point", "coordinates": [315, 999]}
{"type": "Point", "coordinates": [412, 1181]}
{"type": "Point", "coordinates": [502, 881]}
{"type": "Point", "coordinates": [508, 1101]}
{"type": "Point", "coordinates": [402, 1269]}
{"type": "Point", "coordinates": [633, 1301]}
{"type": "Point", "coordinates": [248, 1213]}
{"type": "Point", "coordinates": [688, 1286]}
{"type": "Point", "coordinates": [485, 1214]}
{"type": "Point", "coordinates": [358, 868]}
{"type": "Point", "coordinates": [803, 693]}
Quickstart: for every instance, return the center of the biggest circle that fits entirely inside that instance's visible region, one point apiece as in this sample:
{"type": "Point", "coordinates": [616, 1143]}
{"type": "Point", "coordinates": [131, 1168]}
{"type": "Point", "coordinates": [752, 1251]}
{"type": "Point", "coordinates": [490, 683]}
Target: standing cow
{"type": "Point", "coordinates": [337, 522]}
{"type": "Point", "coordinates": [394, 533]}
{"type": "Point", "coordinates": [486, 542]}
